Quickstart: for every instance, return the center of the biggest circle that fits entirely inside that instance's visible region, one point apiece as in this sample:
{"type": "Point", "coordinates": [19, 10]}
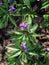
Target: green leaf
{"type": "Point", "coordinates": [6, 4]}
{"type": "Point", "coordinates": [27, 2]}
{"type": "Point", "coordinates": [29, 22]}
{"type": "Point", "coordinates": [24, 57]}
{"type": "Point", "coordinates": [36, 35]}
{"type": "Point", "coordinates": [1, 24]}
{"type": "Point", "coordinates": [32, 39]}
{"type": "Point", "coordinates": [46, 22]}
{"type": "Point", "coordinates": [32, 54]}
{"type": "Point", "coordinates": [5, 20]}
{"type": "Point", "coordinates": [24, 37]}
{"type": "Point", "coordinates": [27, 41]}
{"type": "Point", "coordinates": [29, 19]}
{"type": "Point", "coordinates": [15, 54]}
{"type": "Point", "coordinates": [12, 48]}
{"type": "Point", "coordinates": [17, 32]}
{"type": "Point", "coordinates": [17, 42]}
{"type": "Point", "coordinates": [13, 14]}
{"type": "Point", "coordinates": [20, 37]}
{"type": "Point", "coordinates": [33, 28]}
{"type": "Point", "coordinates": [45, 4]}
{"type": "Point", "coordinates": [46, 17]}
{"type": "Point", "coordinates": [12, 21]}
{"type": "Point", "coordinates": [2, 10]}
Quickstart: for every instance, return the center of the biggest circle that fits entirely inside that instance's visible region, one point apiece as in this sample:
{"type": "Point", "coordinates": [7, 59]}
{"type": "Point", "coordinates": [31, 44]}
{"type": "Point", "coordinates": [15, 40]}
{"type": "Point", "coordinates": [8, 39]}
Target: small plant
{"type": "Point", "coordinates": [26, 50]}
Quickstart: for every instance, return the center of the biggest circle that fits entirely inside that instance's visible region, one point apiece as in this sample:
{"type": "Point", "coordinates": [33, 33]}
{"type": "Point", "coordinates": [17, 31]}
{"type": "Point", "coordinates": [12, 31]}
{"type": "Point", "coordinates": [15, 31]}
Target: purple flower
{"type": "Point", "coordinates": [12, 7]}
{"type": "Point", "coordinates": [23, 45]}
{"type": "Point", "coordinates": [24, 25]}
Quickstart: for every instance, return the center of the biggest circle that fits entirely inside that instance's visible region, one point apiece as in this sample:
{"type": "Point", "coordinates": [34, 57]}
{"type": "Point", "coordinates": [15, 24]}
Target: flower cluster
{"type": "Point", "coordinates": [24, 25]}
{"type": "Point", "coordinates": [12, 8]}
{"type": "Point", "coordinates": [23, 45]}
